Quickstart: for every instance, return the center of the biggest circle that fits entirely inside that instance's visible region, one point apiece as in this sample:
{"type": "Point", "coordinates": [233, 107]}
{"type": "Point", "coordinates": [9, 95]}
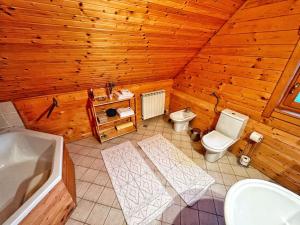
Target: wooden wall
{"type": "Point", "coordinates": [70, 119]}
{"type": "Point", "coordinates": [55, 46]}
{"type": "Point", "coordinates": [242, 63]}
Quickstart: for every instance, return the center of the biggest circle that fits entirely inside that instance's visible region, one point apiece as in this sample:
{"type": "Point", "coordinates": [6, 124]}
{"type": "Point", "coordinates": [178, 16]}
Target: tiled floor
{"type": "Point", "coordinates": [97, 202]}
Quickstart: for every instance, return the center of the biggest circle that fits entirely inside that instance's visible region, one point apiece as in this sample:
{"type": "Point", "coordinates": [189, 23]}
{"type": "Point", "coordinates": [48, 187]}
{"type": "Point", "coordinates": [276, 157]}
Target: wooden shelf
{"type": "Point", "coordinates": [112, 133]}
{"type": "Point", "coordinates": [114, 119]}
{"type": "Point", "coordinates": [109, 101]}
{"type": "Point", "coordinates": [109, 127]}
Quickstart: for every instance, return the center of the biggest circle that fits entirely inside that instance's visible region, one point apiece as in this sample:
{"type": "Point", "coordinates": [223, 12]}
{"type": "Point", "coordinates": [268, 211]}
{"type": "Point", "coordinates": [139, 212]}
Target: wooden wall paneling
{"type": "Point", "coordinates": [243, 63]}
{"type": "Point", "coordinates": [70, 119]}
{"type": "Point", "coordinates": [51, 47]}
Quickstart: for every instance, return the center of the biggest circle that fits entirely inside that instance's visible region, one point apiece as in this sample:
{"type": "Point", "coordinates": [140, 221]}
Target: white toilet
{"type": "Point", "coordinates": [181, 119]}
{"type": "Point", "coordinates": [229, 128]}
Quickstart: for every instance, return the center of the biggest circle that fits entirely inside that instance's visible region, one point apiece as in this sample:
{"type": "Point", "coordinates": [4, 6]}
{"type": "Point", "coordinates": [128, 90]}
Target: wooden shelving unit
{"type": "Point", "coordinates": [106, 130]}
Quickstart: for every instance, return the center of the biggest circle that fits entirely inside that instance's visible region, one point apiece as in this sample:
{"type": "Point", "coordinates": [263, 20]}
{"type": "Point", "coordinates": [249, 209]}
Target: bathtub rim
{"type": "Point", "coordinates": [54, 178]}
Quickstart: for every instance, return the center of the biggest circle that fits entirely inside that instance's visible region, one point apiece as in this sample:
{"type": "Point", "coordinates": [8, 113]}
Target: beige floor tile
{"type": "Point", "coordinates": [217, 176]}
{"type": "Point", "coordinates": [185, 144]}
{"type": "Point", "coordinates": [254, 173]}
{"type": "Point", "coordinates": [218, 190]}
{"type": "Point", "coordinates": [197, 155]}
{"type": "Point", "coordinates": [155, 222]}
{"type": "Point", "coordinates": [176, 137]}
{"type": "Point", "coordinates": [107, 197]}
{"type": "Point", "coordinates": [79, 171]}
{"type": "Point", "coordinates": [109, 184]}
{"type": "Point", "coordinates": [240, 171]}
{"type": "Point", "coordinates": [84, 151]}
{"type": "Point", "coordinates": [233, 160]}
{"type": "Point", "coordinates": [81, 188]}
{"type": "Point", "coordinates": [229, 179]}
{"type": "Point", "coordinates": [176, 143]}
{"type": "Point", "coordinates": [201, 163]}
{"type": "Point", "coordinates": [114, 217]}
{"type": "Point", "coordinates": [98, 164]}
{"type": "Point", "coordinates": [224, 159]}
{"type": "Point", "coordinates": [102, 178]}
{"type": "Point", "coordinates": [240, 178]}
{"type": "Point", "coordinates": [226, 168]}
{"type": "Point", "coordinates": [212, 166]}
{"type": "Point", "coordinates": [90, 175]}
{"type": "Point", "coordinates": [95, 153]}
{"type": "Point", "coordinates": [98, 215]}
{"type": "Point", "coordinates": [116, 204]}
{"type": "Point", "coordinates": [73, 148]}
{"type": "Point", "coordinates": [186, 138]}
{"type": "Point", "coordinates": [93, 193]}
{"type": "Point", "coordinates": [85, 161]}
{"type": "Point", "coordinates": [82, 210]}
{"type": "Point", "coordinates": [74, 222]}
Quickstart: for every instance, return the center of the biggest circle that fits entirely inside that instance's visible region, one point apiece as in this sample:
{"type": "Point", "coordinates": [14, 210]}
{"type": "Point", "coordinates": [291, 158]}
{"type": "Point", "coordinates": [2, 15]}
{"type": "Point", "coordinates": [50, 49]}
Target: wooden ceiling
{"type": "Point", "coordinates": [53, 46]}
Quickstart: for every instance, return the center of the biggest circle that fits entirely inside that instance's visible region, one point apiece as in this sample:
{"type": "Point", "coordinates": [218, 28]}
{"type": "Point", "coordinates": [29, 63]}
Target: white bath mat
{"type": "Point", "coordinates": [142, 197]}
{"type": "Point", "coordinates": [188, 179]}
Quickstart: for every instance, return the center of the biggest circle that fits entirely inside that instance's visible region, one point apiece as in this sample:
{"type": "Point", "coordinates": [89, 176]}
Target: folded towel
{"type": "Point", "coordinates": [124, 125]}
{"type": "Point", "coordinates": [124, 94]}
{"type": "Point", "coordinates": [125, 112]}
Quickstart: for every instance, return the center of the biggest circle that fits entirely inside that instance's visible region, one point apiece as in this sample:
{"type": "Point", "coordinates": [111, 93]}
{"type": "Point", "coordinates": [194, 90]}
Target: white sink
{"type": "Point", "coordinates": [258, 202]}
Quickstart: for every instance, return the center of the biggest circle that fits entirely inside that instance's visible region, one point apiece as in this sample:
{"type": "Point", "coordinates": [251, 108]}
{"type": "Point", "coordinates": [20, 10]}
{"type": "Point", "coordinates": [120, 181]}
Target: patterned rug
{"type": "Point", "coordinates": [188, 179]}
{"type": "Point", "coordinates": [141, 196]}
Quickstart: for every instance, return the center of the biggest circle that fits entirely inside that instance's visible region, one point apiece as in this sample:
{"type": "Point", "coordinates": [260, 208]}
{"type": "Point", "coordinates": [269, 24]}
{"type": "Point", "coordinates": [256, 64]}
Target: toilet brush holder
{"type": "Point", "coordinates": [245, 160]}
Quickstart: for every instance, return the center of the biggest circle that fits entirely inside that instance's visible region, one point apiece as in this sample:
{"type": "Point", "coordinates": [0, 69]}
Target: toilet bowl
{"type": "Point", "coordinates": [216, 145]}
{"type": "Point", "coordinates": [229, 128]}
{"type": "Point", "coordinates": [181, 119]}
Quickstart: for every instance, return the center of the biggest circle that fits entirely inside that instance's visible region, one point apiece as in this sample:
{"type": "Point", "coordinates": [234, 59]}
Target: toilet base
{"type": "Point", "coordinates": [212, 156]}
{"type": "Point", "coordinates": [181, 126]}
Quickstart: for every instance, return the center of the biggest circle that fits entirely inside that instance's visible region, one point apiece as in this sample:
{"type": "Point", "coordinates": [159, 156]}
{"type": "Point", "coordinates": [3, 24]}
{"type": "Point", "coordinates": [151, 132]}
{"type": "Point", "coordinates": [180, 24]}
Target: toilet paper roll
{"type": "Point", "coordinates": [256, 137]}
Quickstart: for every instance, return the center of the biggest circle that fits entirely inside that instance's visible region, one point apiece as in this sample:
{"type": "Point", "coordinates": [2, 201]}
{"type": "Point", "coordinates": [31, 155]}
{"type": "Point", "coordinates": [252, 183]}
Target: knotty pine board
{"type": "Point", "coordinates": [50, 47]}
{"type": "Point", "coordinates": [70, 119]}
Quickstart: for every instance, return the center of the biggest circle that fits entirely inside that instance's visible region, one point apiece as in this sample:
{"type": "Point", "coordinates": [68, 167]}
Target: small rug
{"type": "Point", "coordinates": [141, 196]}
{"type": "Point", "coordinates": [188, 179]}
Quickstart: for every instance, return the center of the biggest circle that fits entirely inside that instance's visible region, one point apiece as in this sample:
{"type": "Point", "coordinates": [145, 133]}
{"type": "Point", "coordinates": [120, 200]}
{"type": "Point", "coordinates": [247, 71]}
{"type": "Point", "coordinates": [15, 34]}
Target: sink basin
{"type": "Point", "coordinates": [258, 202]}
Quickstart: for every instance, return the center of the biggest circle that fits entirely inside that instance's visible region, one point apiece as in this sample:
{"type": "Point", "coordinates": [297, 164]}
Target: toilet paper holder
{"type": "Point", "coordinates": [254, 139]}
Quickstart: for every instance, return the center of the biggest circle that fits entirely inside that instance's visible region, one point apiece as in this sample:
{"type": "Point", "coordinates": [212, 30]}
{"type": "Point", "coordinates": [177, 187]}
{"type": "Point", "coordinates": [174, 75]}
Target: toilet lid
{"type": "Point", "coordinates": [217, 140]}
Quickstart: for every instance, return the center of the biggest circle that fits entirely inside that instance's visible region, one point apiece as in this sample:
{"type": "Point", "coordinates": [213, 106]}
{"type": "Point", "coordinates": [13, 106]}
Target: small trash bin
{"type": "Point", "coordinates": [195, 134]}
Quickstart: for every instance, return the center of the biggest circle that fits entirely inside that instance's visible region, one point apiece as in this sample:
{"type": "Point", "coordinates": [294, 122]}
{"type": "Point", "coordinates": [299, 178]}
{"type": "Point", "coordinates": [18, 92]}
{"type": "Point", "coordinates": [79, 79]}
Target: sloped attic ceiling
{"type": "Point", "coordinates": [52, 46]}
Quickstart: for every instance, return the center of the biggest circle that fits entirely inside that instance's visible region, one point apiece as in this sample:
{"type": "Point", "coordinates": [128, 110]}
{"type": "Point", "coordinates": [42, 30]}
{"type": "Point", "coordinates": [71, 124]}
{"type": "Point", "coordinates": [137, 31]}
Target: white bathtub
{"type": "Point", "coordinates": [27, 159]}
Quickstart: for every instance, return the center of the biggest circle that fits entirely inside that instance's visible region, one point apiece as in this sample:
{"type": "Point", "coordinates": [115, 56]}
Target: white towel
{"type": "Point", "coordinates": [125, 112]}
{"type": "Point", "coordinates": [124, 94]}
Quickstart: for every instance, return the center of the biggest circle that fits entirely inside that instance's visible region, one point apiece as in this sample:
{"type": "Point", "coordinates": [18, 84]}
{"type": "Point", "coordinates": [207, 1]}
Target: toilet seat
{"type": "Point", "coordinates": [216, 141]}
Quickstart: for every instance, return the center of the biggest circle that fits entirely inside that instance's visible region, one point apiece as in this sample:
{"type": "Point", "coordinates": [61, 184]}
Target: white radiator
{"type": "Point", "coordinates": [153, 104]}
